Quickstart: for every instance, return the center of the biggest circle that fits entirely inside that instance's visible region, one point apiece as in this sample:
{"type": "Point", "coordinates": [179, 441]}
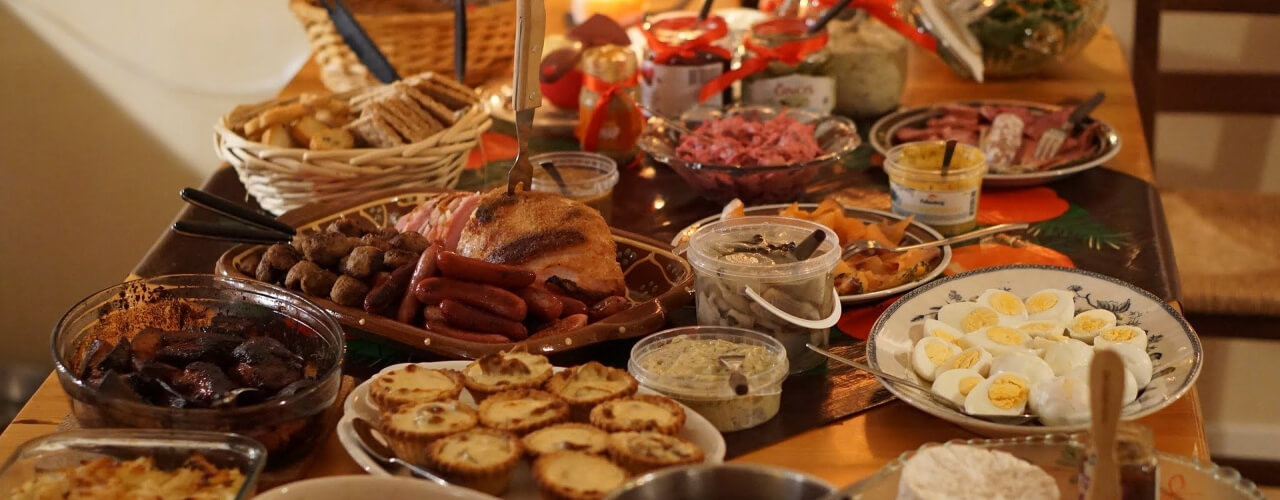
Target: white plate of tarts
{"type": "Point", "coordinates": [537, 427]}
{"type": "Point", "coordinates": [1015, 339]}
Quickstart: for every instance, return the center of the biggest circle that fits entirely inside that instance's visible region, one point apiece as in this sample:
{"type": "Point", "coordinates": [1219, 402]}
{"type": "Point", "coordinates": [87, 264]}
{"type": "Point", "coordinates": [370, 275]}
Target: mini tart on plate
{"type": "Point", "coordinates": [522, 410]}
{"type": "Point", "coordinates": [569, 436]}
{"type": "Point", "coordinates": [641, 412]}
{"type": "Point", "coordinates": [414, 384]}
{"type": "Point", "coordinates": [411, 428]}
{"type": "Point", "coordinates": [502, 371]}
{"type": "Point", "coordinates": [588, 385]}
{"type": "Point", "coordinates": [641, 452]}
{"type": "Point", "coordinates": [480, 459]}
{"type": "Point", "coordinates": [574, 475]}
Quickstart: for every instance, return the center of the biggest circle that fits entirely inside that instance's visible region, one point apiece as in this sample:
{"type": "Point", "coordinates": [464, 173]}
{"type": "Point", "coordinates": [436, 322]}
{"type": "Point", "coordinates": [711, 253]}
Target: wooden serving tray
{"type": "Point", "coordinates": [657, 280]}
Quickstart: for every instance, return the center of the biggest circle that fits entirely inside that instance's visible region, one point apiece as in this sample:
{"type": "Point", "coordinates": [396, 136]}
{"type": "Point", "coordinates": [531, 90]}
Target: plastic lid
{"type": "Point", "coordinates": [702, 254]}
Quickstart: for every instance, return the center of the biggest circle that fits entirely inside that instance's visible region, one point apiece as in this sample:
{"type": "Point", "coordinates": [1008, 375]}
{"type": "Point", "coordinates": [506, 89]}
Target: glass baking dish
{"type": "Point", "coordinates": [168, 448]}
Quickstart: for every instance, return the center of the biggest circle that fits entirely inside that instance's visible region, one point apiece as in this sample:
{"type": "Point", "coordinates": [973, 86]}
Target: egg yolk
{"type": "Point", "coordinates": [1120, 334]}
{"type": "Point", "coordinates": [1041, 302]}
{"type": "Point", "coordinates": [1004, 335]}
{"type": "Point", "coordinates": [1007, 304]}
{"type": "Point", "coordinates": [942, 334]}
{"type": "Point", "coordinates": [937, 352]}
{"type": "Point", "coordinates": [978, 319]}
{"type": "Point", "coordinates": [967, 384]}
{"type": "Point", "coordinates": [968, 358]}
{"type": "Point", "coordinates": [1089, 324]}
{"type": "Point", "coordinates": [1007, 391]}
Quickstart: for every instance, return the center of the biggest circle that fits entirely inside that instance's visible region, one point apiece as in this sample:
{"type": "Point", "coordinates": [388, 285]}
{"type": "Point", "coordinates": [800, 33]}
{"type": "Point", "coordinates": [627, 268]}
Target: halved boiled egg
{"type": "Point", "coordinates": [999, 339]}
{"type": "Point", "coordinates": [1042, 327]}
{"type": "Point", "coordinates": [956, 384]}
{"type": "Point", "coordinates": [1007, 305]}
{"type": "Point", "coordinates": [1030, 366]}
{"type": "Point", "coordinates": [1081, 373]}
{"type": "Point", "coordinates": [1123, 334]}
{"type": "Point", "coordinates": [1065, 356]}
{"type": "Point", "coordinates": [1051, 304]}
{"type": "Point", "coordinates": [935, 328]}
{"type": "Point", "coordinates": [1087, 325]}
{"type": "Point", "coordinates": [1043, 343]}
{"type": "Point", "coordinates": [973, 358]}
{"type": "Point", "coordinates": [1003, 394]}
{"type": "Point", "coordinates": [1136, 361]}
{"type": "Point", "coordinates": [1061, 401]}
{"type": "Point", "coordinates": [930, 353]}
{"type": "Point", "coordinates": [968, 316]}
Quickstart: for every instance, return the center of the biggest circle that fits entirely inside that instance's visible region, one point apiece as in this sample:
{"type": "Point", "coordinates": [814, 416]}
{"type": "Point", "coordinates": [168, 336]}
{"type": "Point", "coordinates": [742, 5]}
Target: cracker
{"type": "Point", "coordinates": [452, 94]}
{"type": "Point", "coordinates": [438, 111]}
{"type": "Point", "coordinates": [410, 121]}
{"type": "Point", "coordinates": [374, 131]}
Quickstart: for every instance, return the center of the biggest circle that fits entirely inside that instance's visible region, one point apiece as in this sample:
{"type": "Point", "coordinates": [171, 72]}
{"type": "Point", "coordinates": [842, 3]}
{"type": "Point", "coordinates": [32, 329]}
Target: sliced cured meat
{"type": "Point", "coordinates": [735, 140]}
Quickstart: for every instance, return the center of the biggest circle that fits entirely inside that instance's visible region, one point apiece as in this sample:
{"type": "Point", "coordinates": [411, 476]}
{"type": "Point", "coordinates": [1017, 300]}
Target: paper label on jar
{"type": "Point", "coordinates": [813, 93]}
{"type": "Point", "coordinates": [935, 207]}
{"type": "Point", "coordinates": [672, 90]}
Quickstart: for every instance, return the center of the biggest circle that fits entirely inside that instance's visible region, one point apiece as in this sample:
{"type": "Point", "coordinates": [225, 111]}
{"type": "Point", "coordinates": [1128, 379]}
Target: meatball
{"type": "Point", "coordinates": [411, 241]}
{"type": "Point", "coordinates": [326, 249]}
{"type": "Point", "coordinates": [349, 291]}
{"type": "Point", "coordinates": [266, 273]}
{"type": "Point", "coordinates": [281, 256]}
{"type": "Point", "coordinates": [352, 225]}
{"type": "Point", "coordinates": [396, 257]}
{"type": "Point", "coordinates": [293, 280]}
{"type": "Point", "coordinates": [376, 241]}
{"type": "Point", "coordinates": [362, 262]}
{"type": "Point", "coordinates": [249, 265]}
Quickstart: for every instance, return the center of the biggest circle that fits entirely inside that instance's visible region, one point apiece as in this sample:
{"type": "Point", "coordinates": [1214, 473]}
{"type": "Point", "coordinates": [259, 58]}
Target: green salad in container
{"type": "Point", "coordinates": [1021, 37]}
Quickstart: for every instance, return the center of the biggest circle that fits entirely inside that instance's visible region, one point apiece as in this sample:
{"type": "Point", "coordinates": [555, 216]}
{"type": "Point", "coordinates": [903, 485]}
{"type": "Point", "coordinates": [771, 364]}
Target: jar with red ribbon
{"type": "Point", "coordinates": [682, 55]}
{"type": "Point", "coordinates": [609, 121]}
{"type": "Point", "coordinates": [784, 66]}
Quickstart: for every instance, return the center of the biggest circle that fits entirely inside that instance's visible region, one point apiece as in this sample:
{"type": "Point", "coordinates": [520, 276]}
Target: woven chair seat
{"type": "Point", "coordinates": [1227, 246]}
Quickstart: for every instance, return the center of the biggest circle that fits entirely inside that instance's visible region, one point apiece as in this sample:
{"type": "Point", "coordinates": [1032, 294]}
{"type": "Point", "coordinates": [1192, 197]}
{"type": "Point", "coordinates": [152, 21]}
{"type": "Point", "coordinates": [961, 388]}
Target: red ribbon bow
{"type": "Point", "coordinates": [663, 52]}
{"type": "Point", "coordinates": [606, 91]}
{"type": "Point", "coordinates": [790, 53]}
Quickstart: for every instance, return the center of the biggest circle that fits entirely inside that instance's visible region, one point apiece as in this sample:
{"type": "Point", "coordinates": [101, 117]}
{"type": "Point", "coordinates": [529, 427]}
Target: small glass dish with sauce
{"type": "Point", "coordinates": [588, 178]}
{"type": "Point", "coordinates": [919, 188]}
{"type": "Point", "coordinates": [683, 364]}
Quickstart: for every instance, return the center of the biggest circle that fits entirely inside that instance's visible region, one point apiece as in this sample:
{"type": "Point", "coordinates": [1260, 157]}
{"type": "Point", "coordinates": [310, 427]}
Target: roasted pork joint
{"type": "Point", "coordinates": [564, 242]}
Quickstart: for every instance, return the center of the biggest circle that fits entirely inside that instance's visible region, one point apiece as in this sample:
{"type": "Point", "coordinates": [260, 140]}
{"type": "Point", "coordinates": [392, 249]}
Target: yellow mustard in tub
{"type": "Point", "coordinates": [948, 203]}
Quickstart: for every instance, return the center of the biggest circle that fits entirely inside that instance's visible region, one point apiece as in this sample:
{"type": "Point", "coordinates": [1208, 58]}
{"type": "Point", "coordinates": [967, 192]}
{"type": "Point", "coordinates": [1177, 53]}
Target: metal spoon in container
{"type": "Point", "coordinates": [366, 437]}
{"type": "Point", "coordinates": [738, 381]}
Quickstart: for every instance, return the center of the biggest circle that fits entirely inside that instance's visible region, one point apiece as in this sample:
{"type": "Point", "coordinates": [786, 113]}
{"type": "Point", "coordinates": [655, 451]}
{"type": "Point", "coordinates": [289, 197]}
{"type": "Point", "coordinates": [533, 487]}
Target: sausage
{"type": "Point", "coordinates": [562, 325]}
{"type": "Point", "coordinates": [541, 303]}
{"type": "Point", "coordinates": [460, 315]}
{"type": "Point", "coordinates": [426, 268]}
{"type": "Point", "coordinates": [436, 323]}
{"type": "Point", "coordinates": [487, 297]}
{"type": "Point", "coordinates": [386, 294]}
{"type": "Point", "coordinates": [468, 269]}
{"type": "Point", "coordinates": [572, 306]}
{"type": "Point", "coordinates": [608, 306]}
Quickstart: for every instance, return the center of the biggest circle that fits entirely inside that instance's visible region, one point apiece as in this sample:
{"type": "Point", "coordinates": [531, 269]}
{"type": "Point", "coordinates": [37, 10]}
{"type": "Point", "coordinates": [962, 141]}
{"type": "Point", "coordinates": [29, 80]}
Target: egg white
{"type": "Point", "coordinates": [1030, 366]}
{"type": "Point", "coordinates": [968, 316]}
{"type": "Point", "coordinates": [999, 339]}
{"type": "Point", "coordinates": [1008, 306]}
{"type": "Point", "coordinates": [1051, 304]}
{"type": "Point", "coordinates": [1131, 386]}
{"type": "Point", "coordinates": [935, 328]}
{"type": "Point", "coordinates": [949, 384]}
{"type": "Point", "coordinates": [1087, 325]}
{"type": "Point", "coordinates": [926, 365]}
{"type": "Point", "coordinates": [1061, 401]}
{"type": "Point", "coordinates": [1065, 356]}
{"type": "Point", "coordinates": [1115, 334]}
{"type": "Point", "coordinates": [974, 358]}
{"type": "Point", "coordinates": [1041, 344]}
{"type": "Point", "coordinates": [979, 401]}
{"type": "Point", "coordinates": [1042, 327]}
{"type": "Point", "coordinates": [1136, 361]}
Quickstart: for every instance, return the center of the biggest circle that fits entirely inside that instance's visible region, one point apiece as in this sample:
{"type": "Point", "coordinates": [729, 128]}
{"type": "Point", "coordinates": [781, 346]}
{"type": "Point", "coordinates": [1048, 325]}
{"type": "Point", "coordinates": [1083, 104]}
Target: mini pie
{"type": "Point", "coordinates": [414, 384]}
{"type": "Point", "coordinates": [588, 385]}
{"type": "Point", "coordinates": [504, 371]}
{"type": "Point", "coordinates": [522, 410]}
{"type": "Point", "coordinates": [641, 412]}
{"type": "Point", "coordinates": [411, 428]}
{"type": "Point", "coordinates": [570, 436]}
{"type": "Point", "coordinates": [641, 452]}
{"type": "Point", "coordinates": [574, 475]}
{"type": "Point", "coordinates": [480, 459]}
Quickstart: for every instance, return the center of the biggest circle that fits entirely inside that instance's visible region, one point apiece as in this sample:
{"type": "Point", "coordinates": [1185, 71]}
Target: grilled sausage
{"type": "Point", "coordinates": [466, 317]}
{"type": "Point", "coordinates": [436, 323]}
{"type": "Point", "coordinates": [542, 303]}
{"type": "Point", "coordinates": [426, 268]}
{"type": "Point", "coordinates": [608, 307]}
{"type": "Point", "coordinates": [386, 294]}
{"type": "Point", "coordinates": [487, 297]}
{"type": "Point", "coordinates": [468, 269]}
{"type": "Point", "coordinates": [572, 306]}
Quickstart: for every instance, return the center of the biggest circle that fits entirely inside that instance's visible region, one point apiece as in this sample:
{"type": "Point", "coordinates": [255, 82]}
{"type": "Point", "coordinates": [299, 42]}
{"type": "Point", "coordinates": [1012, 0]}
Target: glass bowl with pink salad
{"type": "Point", "coordinates": [757, 154]}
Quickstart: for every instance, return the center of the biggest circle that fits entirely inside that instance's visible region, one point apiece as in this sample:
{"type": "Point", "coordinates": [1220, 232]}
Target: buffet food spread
{"type": "Point", "coordinates": [239, 376]}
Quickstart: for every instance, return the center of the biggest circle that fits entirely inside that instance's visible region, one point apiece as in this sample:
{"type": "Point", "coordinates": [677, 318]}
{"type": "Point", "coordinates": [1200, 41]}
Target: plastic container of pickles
{"type": "Point", "coordinates": [746, 275]}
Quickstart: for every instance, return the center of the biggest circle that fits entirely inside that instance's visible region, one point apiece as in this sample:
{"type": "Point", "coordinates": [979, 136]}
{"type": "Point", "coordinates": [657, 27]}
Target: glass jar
{"type": "Point", "coordinates": [798, 69]}
{"type": "Point", "coordinates": [682, 55]}
{"type": "Point", "coordinates": [1136, 458]}
{"type": "Point", "coordinates": [735, 289]}
{"type": "Point", "coordinates": [609, 122]}
{"type": "Point", "coordinates": [869, 63]}
{"type": "Point", "coordinates": [919, 188]}
{"type": "Point", "coordinates": [588, 178]}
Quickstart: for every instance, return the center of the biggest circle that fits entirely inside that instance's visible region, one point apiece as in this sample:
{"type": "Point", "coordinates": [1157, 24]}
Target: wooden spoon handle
{"type": "Point", "coordinates": [1106, 384]}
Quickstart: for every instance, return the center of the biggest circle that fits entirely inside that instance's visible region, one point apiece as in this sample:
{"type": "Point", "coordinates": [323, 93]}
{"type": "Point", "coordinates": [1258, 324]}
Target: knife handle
{"type": "Point", "coordinates": [531, 28]}
{"type": "Point", "coordinates": [1082, 111]}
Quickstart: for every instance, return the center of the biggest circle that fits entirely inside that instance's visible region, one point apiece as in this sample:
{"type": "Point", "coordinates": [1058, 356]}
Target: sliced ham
{"type": "Point", "coordinates": [735, 140]}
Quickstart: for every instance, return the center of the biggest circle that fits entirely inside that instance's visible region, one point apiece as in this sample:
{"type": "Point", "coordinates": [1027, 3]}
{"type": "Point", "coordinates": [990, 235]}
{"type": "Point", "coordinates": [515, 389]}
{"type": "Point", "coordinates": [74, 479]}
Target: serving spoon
{"type": "Point", "coordinates": [995, 419]}
{"type": "Point", "coordinates": [871, 246]}
{"type": "Point", "coordinates": [366, 437]}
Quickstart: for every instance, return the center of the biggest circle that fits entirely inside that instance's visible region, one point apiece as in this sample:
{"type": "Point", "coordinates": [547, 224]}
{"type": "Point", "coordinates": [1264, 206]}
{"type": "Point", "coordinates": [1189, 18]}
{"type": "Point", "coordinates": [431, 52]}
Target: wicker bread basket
{"type": "Point", "coordinates": [413, 42]}
{"type": "Point", "coordinates": [282, 179]}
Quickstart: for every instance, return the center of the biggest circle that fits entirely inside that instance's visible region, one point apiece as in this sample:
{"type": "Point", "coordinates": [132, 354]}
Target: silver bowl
{"type": "Point", "coordinates": [723, 482]}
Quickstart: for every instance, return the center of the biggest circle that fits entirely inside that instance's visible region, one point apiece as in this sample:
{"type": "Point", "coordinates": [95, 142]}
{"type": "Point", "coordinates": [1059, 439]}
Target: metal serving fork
{"type": "Point", "coordinates": [865, 246]}
{"type": "Point", "coordinates": [1051, 141]}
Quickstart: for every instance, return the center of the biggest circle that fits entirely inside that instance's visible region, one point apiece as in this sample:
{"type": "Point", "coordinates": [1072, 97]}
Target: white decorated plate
{"type": "Point", "coordinates": [916, 233]}
{"type": "Point", "coordinates": [1174, 348]}
{"type": "Point", "coordinates": [696, 429]}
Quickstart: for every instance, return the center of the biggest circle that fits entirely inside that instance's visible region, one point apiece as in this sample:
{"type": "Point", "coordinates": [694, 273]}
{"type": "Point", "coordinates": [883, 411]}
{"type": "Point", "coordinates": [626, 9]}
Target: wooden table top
{"type": "Point", "coordinates": [851, 449]}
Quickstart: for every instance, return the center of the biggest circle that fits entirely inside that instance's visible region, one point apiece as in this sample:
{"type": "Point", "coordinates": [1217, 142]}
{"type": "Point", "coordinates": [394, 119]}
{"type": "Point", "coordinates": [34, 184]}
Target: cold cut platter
{"type": "Point", "coordinates": [467, 274]}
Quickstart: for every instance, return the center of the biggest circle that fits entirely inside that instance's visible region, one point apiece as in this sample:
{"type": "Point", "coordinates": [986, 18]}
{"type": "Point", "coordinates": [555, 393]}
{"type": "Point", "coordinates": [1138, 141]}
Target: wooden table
{"type": "Point", "coordinates": [853, 448]}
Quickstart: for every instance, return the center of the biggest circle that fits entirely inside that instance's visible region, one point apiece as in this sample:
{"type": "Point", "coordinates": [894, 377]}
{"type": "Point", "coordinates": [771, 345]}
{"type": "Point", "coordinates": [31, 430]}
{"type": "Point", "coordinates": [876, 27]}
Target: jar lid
{"type": "Point", "coordinates": [784, 29]}
{"type": "Point", "coordinates": [678, 30]}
